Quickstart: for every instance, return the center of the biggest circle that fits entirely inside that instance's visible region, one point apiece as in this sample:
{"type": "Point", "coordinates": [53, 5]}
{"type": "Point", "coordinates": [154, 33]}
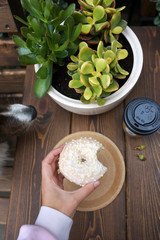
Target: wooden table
{"type": "Point", "coordinates": [135, 213]}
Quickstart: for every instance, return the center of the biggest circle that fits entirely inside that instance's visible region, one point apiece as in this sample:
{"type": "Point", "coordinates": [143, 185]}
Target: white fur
{"type": "Point", "coordinates": [16, 110]}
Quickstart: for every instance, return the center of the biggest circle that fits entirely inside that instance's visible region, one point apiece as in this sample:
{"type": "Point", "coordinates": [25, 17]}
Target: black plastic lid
{"type": "Point", "coordinates": [142, 116]}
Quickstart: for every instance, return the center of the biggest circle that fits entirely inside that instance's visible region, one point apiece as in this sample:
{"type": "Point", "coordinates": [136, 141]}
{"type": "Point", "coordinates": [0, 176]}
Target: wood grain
{"type": "Point", "coordinates": [3, 210]}
{"type": "Point", "coordinates": [101, 224]}
{"type": "Point", "coordinates": [143, 178]}
{"type": "Point", "coordinates": [134, 214]}
{"type": "Point", "coordinates": [5, 180]}
{"type": "Point", "coordinates": [51, 125]}
{"type": "Point", "coordinates": [10, 98]}
{"type": "Point", "coordinates": [9, 55]}
{"type": "Point", "coordinates": [7, 23]}
{"type": "Point", "coordinates": [12, 80]}
{"type": "Point", "coordinates": [2, 231]}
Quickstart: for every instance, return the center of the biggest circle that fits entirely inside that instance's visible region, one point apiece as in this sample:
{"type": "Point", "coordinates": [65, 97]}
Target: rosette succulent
{"type": "Point", "coordinates": [100, 20]}
{"type": "Point", "coordinates": [51, 35]}
{"type": "Point", "coordinates": [94, 73]}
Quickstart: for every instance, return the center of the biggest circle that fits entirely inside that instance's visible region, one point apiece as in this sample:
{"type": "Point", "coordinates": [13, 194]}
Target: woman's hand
{"type": "Point", "coordinates": [53, 194]}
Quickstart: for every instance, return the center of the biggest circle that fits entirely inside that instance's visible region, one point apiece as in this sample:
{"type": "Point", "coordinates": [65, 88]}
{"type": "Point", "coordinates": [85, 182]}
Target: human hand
{"type": "Point", "coordinates": [53, 193]}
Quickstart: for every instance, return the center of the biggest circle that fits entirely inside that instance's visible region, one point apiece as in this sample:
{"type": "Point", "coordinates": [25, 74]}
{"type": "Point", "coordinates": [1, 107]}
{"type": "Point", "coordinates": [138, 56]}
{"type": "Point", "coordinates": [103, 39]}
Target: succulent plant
{"type": "Point", "coordinates": [157, 18]}
{"type": "Point", "coordinates": [61, 3]}
{"type": "Point", "coordinates": [51, 35]}
{"type": "Point", "coordinates": [100, 20]}
{"type": "Point", "coordinates": [94, 72]}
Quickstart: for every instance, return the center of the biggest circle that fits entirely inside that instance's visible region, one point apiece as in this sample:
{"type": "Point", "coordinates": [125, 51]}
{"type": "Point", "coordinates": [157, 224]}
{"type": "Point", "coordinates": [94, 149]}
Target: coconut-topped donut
{"type": "Point", "coordinates": [78, 161]}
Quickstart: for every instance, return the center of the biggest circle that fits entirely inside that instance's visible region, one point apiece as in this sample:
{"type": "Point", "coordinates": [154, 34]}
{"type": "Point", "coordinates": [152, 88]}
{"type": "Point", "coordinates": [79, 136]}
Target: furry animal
{"type": "Point", "coordinates": [14, 120]}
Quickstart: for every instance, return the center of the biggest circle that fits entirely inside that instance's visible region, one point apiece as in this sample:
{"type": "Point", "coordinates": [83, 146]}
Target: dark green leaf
{"type": "Point", "coordinates": [52, 57]}
{"type": "Point", "coordinates": [33, 11]}
{"type": "Point", "coordinates": [19, 41]}
{"type": "Point", "coordinates": [42, 72]}
{"type": "Point", "coordinates": [61, 54]}
{"type": "Point", "coordinates": [46, 13]}
{"type": "Point", "coordinates": [79, 17]}
{"type": "Point", "coordinates": [43, 50]}
{"type": "Point", "coordinates": [51, 44]}
{"type": "Point", "coordinates": [68, 12]}
{"type": "Point", "coordinates": [23, 51]}
{"type": "Point", "coordinates": [100, 101]}
{"type": "Point", "coordinates": [36, 4]}
{"type": "Point", "coordinates": [40, 59]}
{"type": "Point", "coordinates": [21, 20]}
{"type": "Point", "coordinates": [31, 45]}
{"type": "Point", "coordinates": [24, 31]}
{"type": "Point", "coordinates": [56, 37]}
{"type": "Point", "coordinates": [157, 21]}
{"type": "Point", "coordinates": [42, 86]}
{"type": "Point", "coordinates": [36, 27]}
{"type": "Point", "coordinates": [63, 46]}
{"type": "Point", "coordinates": [84, 100]}
{"type": "Point", "coordinates": [77, 32]}
{"type": "Point", "coordinates": [70, 25]}
{"type": "Point", "coordinates": [28, 59]}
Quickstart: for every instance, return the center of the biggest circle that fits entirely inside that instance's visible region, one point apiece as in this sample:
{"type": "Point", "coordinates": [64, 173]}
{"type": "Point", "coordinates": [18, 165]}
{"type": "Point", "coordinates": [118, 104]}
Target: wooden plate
{"type": "Point", "coordinates": [113, 179]}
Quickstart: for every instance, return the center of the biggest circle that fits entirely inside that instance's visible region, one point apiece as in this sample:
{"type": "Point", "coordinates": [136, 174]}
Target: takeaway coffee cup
{"type": "Point", "coordinates": [141, 117]}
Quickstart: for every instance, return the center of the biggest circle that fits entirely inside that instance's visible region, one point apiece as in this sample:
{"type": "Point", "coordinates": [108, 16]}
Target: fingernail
{"type": "Point", "coordinates": [96, 184]}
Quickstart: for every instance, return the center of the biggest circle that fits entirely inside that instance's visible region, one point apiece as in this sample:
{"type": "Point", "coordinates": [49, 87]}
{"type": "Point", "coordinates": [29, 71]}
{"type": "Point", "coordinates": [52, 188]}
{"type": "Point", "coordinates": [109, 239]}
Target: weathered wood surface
{"type": "Point", "coordinates": [3, 210]}
{"type": "Point", "coordinates": [5, 180]}
{"type": "Point", "coordinates": [10, 98]}
{"type": "Point", "coordinates": [143, 178]}
{"type": "Point", "coordinates": [12, 80]}
{"type": "Point", "coordinates": [50, 119]}
{"type": "Point", "coordinates": [7, 23]}
{"type": "Point", "coordinates": [134, 214]}
{"type": "Point", "coordinates": [9, 55]}
{"type": "Point", "coordinates": [101, 224]}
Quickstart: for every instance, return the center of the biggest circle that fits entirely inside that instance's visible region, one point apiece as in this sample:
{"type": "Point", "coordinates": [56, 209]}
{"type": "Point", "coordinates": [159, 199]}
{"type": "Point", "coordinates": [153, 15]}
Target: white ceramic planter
{"type": "Point", "coordinates": [76, 106]}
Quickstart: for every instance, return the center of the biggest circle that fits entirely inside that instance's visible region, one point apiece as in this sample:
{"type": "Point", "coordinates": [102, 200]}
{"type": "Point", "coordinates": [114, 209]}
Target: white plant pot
{"type": "Point", "coordinates": [76, 106]}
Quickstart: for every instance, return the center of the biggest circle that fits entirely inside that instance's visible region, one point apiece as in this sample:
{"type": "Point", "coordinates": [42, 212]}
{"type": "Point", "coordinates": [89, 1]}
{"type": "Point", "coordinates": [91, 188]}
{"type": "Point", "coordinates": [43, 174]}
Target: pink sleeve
{"type": "Point", "coordinates": [50, 225]}
{"type": "Point", "coordinates": [32, 232]}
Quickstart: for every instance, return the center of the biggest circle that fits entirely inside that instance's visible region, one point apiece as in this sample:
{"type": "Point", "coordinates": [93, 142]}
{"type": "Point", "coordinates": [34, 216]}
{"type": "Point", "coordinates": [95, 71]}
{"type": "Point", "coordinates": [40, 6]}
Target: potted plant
{"type": "Point", "coordinates": [51, 36]}
{"type": "Point", "coordinates": [62, 33]}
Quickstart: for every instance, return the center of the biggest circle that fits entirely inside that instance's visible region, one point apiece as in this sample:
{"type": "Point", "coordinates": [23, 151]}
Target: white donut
{"type": "Point", "coordinates": [78, 161]}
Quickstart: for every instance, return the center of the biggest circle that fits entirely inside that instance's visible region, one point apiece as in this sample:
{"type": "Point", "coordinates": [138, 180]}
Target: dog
{"type": "Point", "coordinates": [14, 120]}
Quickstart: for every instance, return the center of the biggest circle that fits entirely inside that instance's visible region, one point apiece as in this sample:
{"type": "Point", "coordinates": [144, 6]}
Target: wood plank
{"type": "Point", "coordinates": [4, 202]}
{"type": "Point", "coordinates": [10, 98]}
{"type": "Point", "coordinates": [7, 23]}
{"type": "Point", "coordinates": [101, 224]}
{"type": "Point", "coordinates": [31, 148]}
{"type": "Point", "coordinates": [12, 80]}
{"type": "Point", "coordinates": [2, 231]}
{"type": "Point", "coordinates": [143, 192]}
{"type": "Point", "coordinates": [9, 55]}
{"type": "Point", "coordinates": [5, 180]}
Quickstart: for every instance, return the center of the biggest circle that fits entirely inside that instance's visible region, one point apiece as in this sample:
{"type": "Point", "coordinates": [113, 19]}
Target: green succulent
{"type": "Point", "coordinates": [61, 3]}
{"type": "Point", "coordinates": [100, 20]}
{"type": "Point", "coordinates": [94, 72]}
{"type": "Point", "coordinates": [51, 35]}
{"type": "Point", "coordinates": [157, 18]}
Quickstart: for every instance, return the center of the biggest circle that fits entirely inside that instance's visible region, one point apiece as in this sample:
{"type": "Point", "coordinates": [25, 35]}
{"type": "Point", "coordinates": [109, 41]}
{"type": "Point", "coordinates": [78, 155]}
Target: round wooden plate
{"type": "Point", "coordinates": [113, 179]}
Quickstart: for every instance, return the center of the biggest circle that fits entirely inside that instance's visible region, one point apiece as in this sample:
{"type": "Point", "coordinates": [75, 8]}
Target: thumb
{"type": "Point", "coordinates": [85, 191]}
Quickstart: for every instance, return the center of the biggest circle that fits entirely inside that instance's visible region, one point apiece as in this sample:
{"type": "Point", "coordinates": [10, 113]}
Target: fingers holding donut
{"type": "Point", "coordinates": [85, 191]}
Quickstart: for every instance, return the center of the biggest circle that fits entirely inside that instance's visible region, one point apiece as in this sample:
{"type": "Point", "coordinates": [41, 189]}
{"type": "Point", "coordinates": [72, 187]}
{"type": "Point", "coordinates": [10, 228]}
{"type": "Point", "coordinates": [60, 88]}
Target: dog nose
{"type": "Point", "coordinates": [33, 112]}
